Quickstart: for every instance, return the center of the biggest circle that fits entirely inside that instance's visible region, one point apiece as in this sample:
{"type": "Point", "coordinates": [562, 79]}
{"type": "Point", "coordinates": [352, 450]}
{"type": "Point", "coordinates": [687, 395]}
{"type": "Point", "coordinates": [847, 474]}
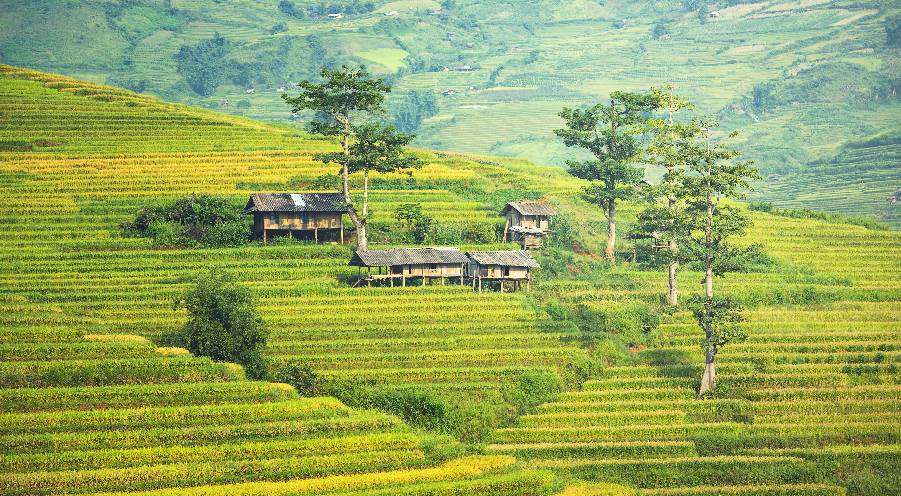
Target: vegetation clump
{"type": "Point", "coordinates": [223, 323]}
{"type": "Point", "coordinates": [194, 220]}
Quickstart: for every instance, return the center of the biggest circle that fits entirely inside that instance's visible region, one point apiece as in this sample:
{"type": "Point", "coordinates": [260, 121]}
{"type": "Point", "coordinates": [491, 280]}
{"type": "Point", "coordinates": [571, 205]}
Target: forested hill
{"type": "Point", "coordinates": [798, 78]}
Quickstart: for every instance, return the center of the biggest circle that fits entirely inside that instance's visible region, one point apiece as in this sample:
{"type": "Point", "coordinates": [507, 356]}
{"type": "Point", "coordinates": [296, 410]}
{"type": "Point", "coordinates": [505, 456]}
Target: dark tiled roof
{"type": "Point", "coordinates": [295, 202]}
{"type": "Point", "coordinates": [530, 208]}
{"type": "Point", "coordinates": [513, 258]}
{"type": "Point", "coordinates": [405, 256]}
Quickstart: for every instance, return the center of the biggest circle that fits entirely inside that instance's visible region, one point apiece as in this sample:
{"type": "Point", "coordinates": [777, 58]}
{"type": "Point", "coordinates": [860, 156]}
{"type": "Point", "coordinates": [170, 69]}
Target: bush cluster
{"type": "Point", "coordinates": [194, 220]}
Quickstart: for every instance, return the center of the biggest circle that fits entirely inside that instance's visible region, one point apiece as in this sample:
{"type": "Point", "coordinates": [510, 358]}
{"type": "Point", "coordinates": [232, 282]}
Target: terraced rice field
{"type": "Point", "coordinates": [92, 403]}
{"type": "Point", "coordinates": [861, 179]}
{"type": "Point", "coordinates": [815, 388]}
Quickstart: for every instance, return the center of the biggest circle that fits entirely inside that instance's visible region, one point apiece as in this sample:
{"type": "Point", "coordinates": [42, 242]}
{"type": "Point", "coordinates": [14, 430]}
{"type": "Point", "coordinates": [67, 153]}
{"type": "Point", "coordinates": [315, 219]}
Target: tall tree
{"type": "Point", "coordinates": [346, 96]}
{"type": "Point", "coordinates": [665, 218]}
{"type": "Point", "coordinates": [715, 177]}
{"type": "Point", "coordinates": [375, 148]}
{"type": "Point", "coordinates": [607, 132]}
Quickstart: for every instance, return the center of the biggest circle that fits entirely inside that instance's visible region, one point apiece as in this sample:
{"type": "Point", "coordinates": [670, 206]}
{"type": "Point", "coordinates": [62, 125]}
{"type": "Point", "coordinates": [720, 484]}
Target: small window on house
{"type": "Point", "coordinates": [304, 217]}
{"type": "Point", "coordinates": [433, 266]}
{"type": "Point", "coordinates": [273, 217]}
{"type": "Point", "coordinates": [506, 271]}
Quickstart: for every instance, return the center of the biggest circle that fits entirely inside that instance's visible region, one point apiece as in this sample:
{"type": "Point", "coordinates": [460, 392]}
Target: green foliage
{"type": "Point", "coordinates": [377, 148]}
{"type": "Point", "coordinates": [419, 226]}
{"type": "Point", "coordinates": [346, 91]}
{"type": "Point", "coordinates": [721, 316]}
{"type": "Point", "coordinates": [893, 31]}
{"type": "Point", "coordinates": [167, 234]}
{"type": "Point", "coordinates": [288, 7]}
{"type": "Point", "coordinates": [659, 30]}
{"type": "Point", "coordinates": [415, 107]}
{"type": "Point", "coordinates": [617, 328]}
{"type": "Point", "coordinates": [203, 64]}
{"type": "Point", "coordinates": [533, 389]}
{"type": "Point", "coordinates": [223, 322]}
{"type": "Point", "coordinates": [197, 219]}
{"type": "Point", "coordinates": [278, 28]}
{"type": "Point", "coordinates": [715, 175]}
{"type": "Point", "coordinates": [608, 133]}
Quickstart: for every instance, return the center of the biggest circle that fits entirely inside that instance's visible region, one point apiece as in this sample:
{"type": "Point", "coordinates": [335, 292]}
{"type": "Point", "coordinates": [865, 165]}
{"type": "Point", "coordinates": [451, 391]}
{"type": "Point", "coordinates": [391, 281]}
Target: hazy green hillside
{"type": "Point", "coordinates": [93, 403]}
{"type": "Point", "coordinates": [861, 179]}
{"type": "Point", "coordinates": [799, 78]}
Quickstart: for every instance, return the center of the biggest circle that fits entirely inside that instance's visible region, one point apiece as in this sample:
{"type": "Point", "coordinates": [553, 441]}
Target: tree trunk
{"type": "Point", "coordinates": [359, 223]}
{"type": "Point", "coordinates": [708, 381]}
{"type": "Point", "coordinates": [672, 294]}
{"type": "Point", "coordinates": [365, 194]}
{"type": "Point", "coordinates": [609, 252]}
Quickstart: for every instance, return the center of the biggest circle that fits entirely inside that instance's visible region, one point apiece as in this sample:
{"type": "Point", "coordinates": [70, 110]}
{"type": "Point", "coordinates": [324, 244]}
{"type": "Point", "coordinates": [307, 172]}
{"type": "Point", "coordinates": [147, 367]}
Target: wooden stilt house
{"type": "Point", "coordinates": [528, 222]}
{"type": "Point", "coordinates": [313, 216]}
{"type": "Point", "coordinates": [401, 264]}
{"type": "Point", "coordinates": [502, 266]}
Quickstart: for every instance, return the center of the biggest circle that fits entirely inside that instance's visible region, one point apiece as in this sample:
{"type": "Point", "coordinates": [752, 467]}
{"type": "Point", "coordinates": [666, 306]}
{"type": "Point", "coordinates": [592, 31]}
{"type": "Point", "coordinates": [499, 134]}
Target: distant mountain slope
{"type": "Point", "coordinates": [798, 78]}
{"type": "Point", "coordinates": [864, 178]}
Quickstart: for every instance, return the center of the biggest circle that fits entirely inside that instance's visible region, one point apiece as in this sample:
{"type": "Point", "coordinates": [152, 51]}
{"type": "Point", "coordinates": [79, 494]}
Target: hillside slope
{"type": "Point", "coordinates": [797, 78]}
{"type": "Point", "coordinates": [862, 179]}
{"type": "Point", "coordinates": [808, 405]}
{"type": "Point", "coordinates": [89, 404]}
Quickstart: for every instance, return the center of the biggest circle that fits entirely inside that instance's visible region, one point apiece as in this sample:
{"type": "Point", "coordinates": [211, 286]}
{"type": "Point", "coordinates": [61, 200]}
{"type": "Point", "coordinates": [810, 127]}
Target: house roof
{"type": "Point", "coordinates": [530, 208]}
{"type": "Point", "coordinates": [407, 256]}
{"type": "Point", "coordinates": [512, 258]}
{"type": "Point", "coordinates": [295, 202]}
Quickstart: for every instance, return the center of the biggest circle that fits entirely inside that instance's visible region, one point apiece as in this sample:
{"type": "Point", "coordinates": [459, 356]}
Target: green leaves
{"type": "Point", "coordinates": [380, 148]}
{"type": "Point", "coordinates": [608, 132]}
{"type": "Point", "coordinates": [223, 322]}
{"type": "Point", "coordinates": [346, 90]}
{"type": "Point", "coordinates": [722, 316]}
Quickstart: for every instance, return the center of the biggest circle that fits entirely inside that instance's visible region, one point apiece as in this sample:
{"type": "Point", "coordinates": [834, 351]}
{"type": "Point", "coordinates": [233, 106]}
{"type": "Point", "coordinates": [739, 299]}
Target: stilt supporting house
{"type": "Point", "coordinates": [312, 216]}
{"type": "Point", "coordinates": [528, 223]}
{"type": "Point", "coordinates": [426, 264]}
{"type": "Point", "coordinates": [513, 267]}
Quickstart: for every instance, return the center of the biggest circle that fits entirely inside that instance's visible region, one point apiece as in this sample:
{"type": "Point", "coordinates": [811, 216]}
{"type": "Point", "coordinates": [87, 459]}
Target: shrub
{"type": "Point", "coordinates": [232, 234]}
{"type": "Point", "coordinates": [477, 232]}
{"type": "Point", "coordinates": [192, 220]}
{"type": "Point", "coordinates": [533, 389]}
{"type": "Point", "coordinates": [167, 234]}
{"type": "Point", "coordinates": [223, 323]}
{"type": "Point", "coordinates": [629, 324]}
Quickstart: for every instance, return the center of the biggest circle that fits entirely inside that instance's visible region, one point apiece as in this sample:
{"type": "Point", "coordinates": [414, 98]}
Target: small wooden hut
{"type": "Point", "coordinates": [400, 264]}
{"type": "Point", "coordinates": [501, 266]}
{"type": "Point", "coordinates": [528, 222]}
{"type": "Point", "coordinates": [313, 216]}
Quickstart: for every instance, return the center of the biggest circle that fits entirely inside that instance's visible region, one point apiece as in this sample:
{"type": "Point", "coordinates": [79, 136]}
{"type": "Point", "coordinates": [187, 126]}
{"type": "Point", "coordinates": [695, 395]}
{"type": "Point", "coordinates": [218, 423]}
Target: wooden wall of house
{"type": "Point", "coordinates": [431, 270]}
{"type": "Point", "coordinates": [531, 221]}
{"type": "Point", "coordinates": [299, 220]}
{"type": "Point", "coordinates": [531, 240]}
{"type": "Point", "coordinates": [496, 271]}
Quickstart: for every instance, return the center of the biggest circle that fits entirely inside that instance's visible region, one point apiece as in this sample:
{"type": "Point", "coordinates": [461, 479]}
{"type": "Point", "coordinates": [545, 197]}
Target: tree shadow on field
{"type": "Point", "coordinates": [672, 363]}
